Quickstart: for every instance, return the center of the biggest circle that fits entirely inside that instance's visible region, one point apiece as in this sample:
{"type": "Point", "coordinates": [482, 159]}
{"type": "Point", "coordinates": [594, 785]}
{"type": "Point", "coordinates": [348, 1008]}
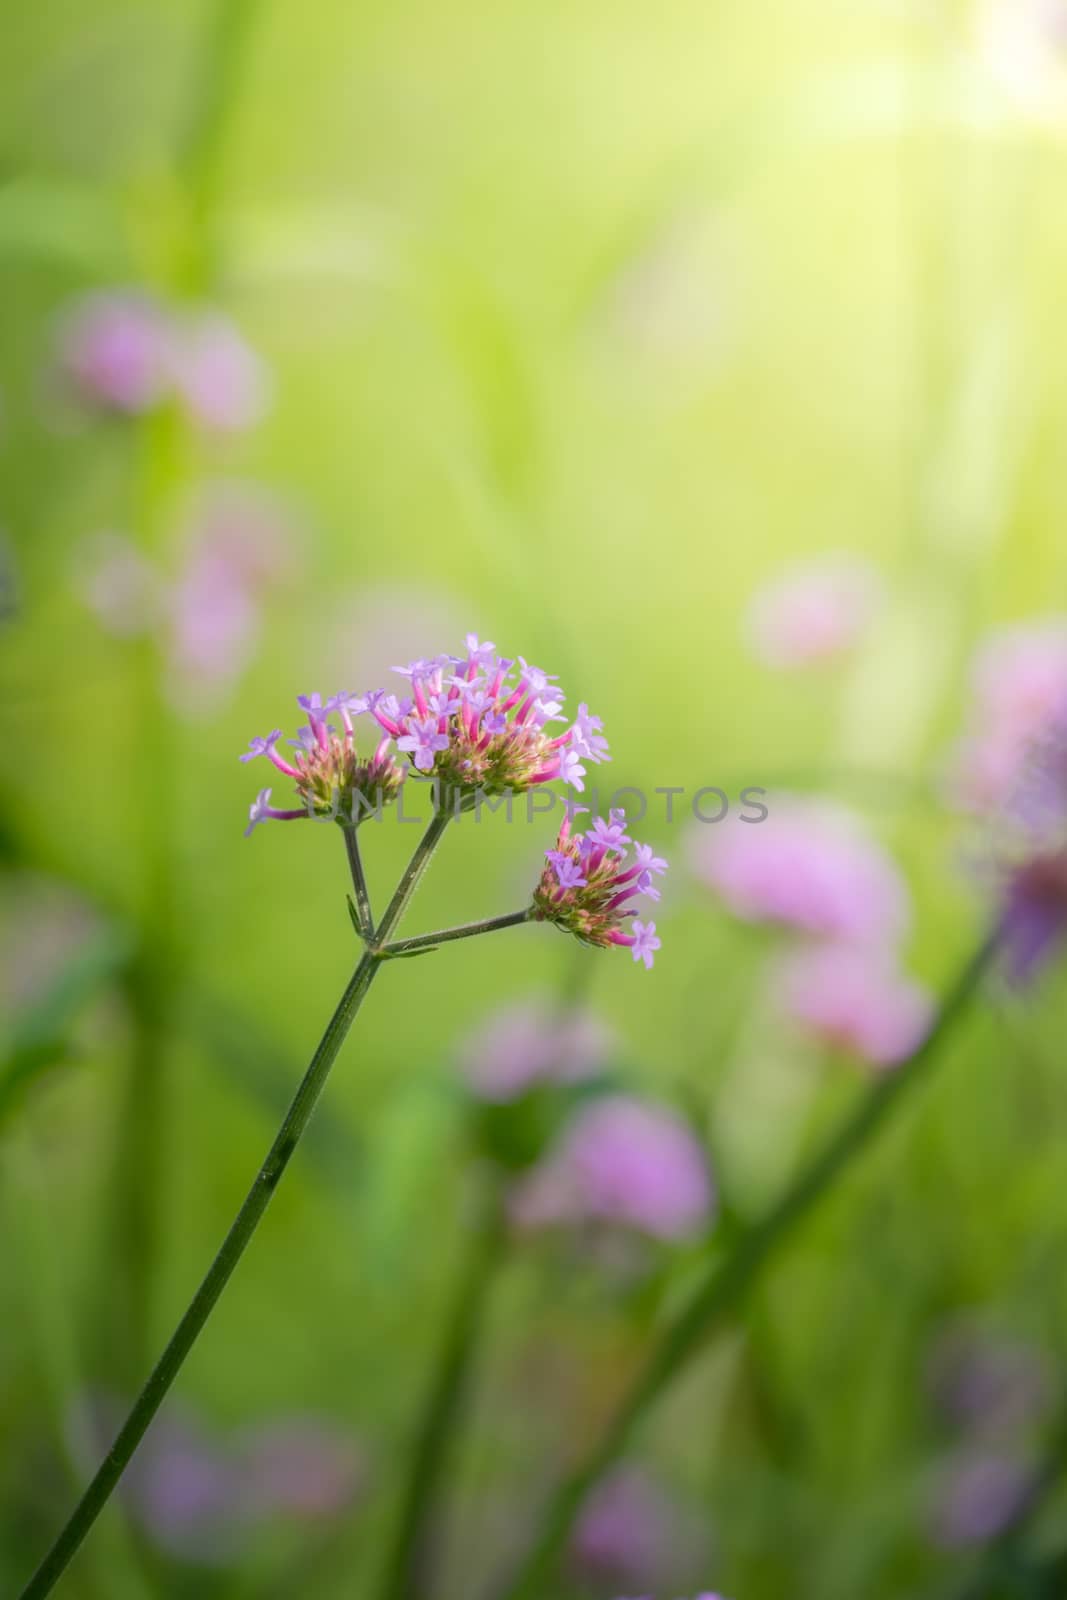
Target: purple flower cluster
{"type": "Point", "coordinates": [332, 779]}
{"type": "Point", "coordinates": [588, 886]}
{"type": "Point", "coordinates": [815, 612]}
{"type": "Point", "coordinates": [624, 1162]}
{"type": "Point", "coordinates": [1018, 696]}
{"type": "Point", "coordinates": [207, 610]}
{"type": "Point", "coordinates": [1010, 769]}
{"type": "Point", "coordinates": [530, 1044]}
{"type": "Point", "coordinates": [995, 1390]}
{"type": "Point", "coordinates": [123, 352]}
{"type": "Point", "coordinates": [813, 871]}
{"type": "Point", "coordinates": [481, 721]}
{"type": "Point", "coordinates": [475, 723]}
{"type": "Point", "coordinates": [203, 1495]}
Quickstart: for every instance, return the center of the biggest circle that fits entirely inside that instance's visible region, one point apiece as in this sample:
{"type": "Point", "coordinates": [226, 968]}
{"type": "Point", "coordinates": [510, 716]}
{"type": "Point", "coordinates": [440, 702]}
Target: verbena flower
{"type": "Point", "coordinates": [123, 352]}
{"type": "Point", "coordinates": [815, 611]}
{"type": "Point", "coordinates": [238, 548]}
{"type": "Point", "coordinates": [532, 1043]}
{"type": "Point", "coordinates": [481, 721]}
{"type": "Point", "coordinates": [627, 1531]}
{"type": "Point", "coordinates": [1030, 847]}
{"type": "Point", "coordinates": [589, 886]}
{"type": "Point", "coordinates": [988, 1381]}
{"type": "Point", "coordinates": [1018, 691]}
{"type": "Point", "coordinates": [856, 999]}
{"type": "Point", "coordinates": [811, 867]}
{"type": "Point", "coordinates": [113, 349]}
{"type": "Point", "coordinates": [219, 377]}
{"type": "Point", "coordinates": [978, 1494]}
{"type": "Point", "coordinates": [204, 1496]}
{"type": "Point", "coordinates": [475, 723]}
{"type": "Point", "coordinates": [331, 777]}
{"type": "Point", "coordinates": [625, 1162]}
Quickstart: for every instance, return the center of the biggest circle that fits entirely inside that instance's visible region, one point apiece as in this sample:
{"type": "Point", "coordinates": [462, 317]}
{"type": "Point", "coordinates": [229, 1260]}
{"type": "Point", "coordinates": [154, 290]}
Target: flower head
{"type": "Point", "coordinates": [588, 888]}
{"type": "Point", "coordinates": [220, 378]}
{"type": "Point", "coordinates": [622, 1161]}
{"type": "Point", "coordinates": [978, 1494]}
{"type": "Point", "coordinates": [113, 351]}
{"type": "Point", "coordinates": [530, 1043]}
{"type": "Point", "coordinates": [330, 776]}
{"type": "Point", "coordinates": [814, 612]}
{"type": "Point", "coordinates": [1030, 848]}
{"type": "Point", "coordinates": [1018, 696]}
{"type": "Point", "coordinates": [855, 999]}
{"type": "Point", "coordinates": [626, 1530]}
{"type": "Point", "coordinates": [480, 721]}
{"type": "Point", "coordinates": [810, 867]}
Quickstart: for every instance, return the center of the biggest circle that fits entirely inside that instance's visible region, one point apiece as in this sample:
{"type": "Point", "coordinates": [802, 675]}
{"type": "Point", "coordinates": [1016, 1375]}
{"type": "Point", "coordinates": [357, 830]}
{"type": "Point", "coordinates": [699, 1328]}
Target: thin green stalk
{"type": "Point", "coordinates": [428, 941]}
{"type": "Point", "coordinates": [727, 1283]}
{"type": "Point", "coordinates": [364, 915]}
{"type": "Point", "coordinates": [416, 1544]}
{"type": "Point", "coordinates": [237, 1239]}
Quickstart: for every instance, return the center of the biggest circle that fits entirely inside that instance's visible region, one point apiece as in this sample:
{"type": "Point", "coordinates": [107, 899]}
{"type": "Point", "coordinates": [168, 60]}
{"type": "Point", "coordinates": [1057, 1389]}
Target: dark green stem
{"type": "Point", "coordinates": [427, 941]}
{"type": "Point", "coordinates": [727, 1283]}
{"type": "Point", "coordinates": [364, 916]}
{"type": "Point", "coordinates": [413, 873]}
{"type": "Point", "coordinates": [237, 1239]}
{"type": "Point", "coordinates": [416, 1544]}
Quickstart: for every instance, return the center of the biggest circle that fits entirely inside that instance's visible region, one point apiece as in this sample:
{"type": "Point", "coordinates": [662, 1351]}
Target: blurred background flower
{"type": "Point", "coordinates": [708, 355]}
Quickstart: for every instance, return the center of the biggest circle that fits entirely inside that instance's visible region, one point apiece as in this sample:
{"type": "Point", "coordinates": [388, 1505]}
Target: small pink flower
{"type": "Point", "coordinates": [977, 1495]}
{"type": "Point", "coordinates": [113, 351]}
{"type": "Point", "coordinates": [621, 1161]}
{"type": "Point", "coordinates": [1018, 694]}
{"type": "Point", "coordinates": [239, 548]}
{"type": "Point", "coordinates": [815, 611]}
{"type": "Point", "coordinates": [809, 866]}
{"type": "Point", "coordinates": [625, 1530]}
{"type": "Point", "coordinates": [218, 375]}
{"type": "Point", "coordinates": [527, 1044]}
{"type": "Point", "coordinates": [855, 999]}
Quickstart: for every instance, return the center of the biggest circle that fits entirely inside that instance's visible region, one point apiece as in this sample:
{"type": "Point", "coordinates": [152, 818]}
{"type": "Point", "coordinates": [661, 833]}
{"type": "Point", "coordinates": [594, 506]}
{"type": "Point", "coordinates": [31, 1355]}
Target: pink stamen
{"type": "Point", "coordinates": [283, 766]}
{"type": "Point", "coordinates": [617, 900]}
{"type": "Point", "coordinates": [628, 877]}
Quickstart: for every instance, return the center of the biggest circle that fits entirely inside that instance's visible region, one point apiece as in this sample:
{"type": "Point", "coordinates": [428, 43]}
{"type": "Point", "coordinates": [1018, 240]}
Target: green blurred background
{"type": "Point", "coordinates": [582, 321]}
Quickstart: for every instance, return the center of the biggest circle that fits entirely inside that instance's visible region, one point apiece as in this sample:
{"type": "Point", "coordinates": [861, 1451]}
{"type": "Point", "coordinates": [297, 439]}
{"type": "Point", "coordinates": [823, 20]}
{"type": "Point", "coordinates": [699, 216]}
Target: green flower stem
{"type": "Point", "coordinates": [359, 883]}
{"type": "Point", "coordinates": [416, 1543]}
{"type": "Point", "coordinates": [726, 1284]}
{"type": "Point", "coordinates": [429, 941]}
{"type": "Point", "coordinates": [237, 1239]}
